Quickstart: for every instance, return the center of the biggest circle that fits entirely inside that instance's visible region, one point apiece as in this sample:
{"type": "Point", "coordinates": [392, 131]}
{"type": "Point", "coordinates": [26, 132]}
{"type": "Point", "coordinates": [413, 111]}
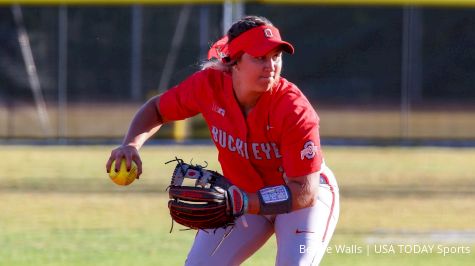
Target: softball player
{"type": "Point", "coordinates": [267, 137]}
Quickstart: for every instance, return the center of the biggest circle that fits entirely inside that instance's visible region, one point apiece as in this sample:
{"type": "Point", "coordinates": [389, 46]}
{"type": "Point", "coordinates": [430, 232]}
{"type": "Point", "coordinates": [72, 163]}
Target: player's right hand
{"type": "Point", "coordinates": [130, 153]}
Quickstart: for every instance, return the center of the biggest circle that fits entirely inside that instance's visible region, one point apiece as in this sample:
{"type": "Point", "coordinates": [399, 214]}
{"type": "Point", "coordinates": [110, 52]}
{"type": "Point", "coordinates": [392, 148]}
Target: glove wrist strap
{"type": "Point", "coordinates": [245, 202]}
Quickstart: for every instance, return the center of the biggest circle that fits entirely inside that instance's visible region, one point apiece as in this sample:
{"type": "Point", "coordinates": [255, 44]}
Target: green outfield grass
{"type": "Point", "coordinates": [59, 208]}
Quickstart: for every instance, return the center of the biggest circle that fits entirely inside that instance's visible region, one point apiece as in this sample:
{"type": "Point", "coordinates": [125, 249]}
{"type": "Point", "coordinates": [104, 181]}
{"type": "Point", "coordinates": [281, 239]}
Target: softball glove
{"type": "Point", "coordinates": [211, 202]}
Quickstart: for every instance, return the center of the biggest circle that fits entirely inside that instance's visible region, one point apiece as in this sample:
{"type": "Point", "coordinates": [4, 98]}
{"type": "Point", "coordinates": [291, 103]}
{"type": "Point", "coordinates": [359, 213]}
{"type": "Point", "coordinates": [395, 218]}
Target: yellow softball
{"type": "Point", "coordinates": [123, 177]}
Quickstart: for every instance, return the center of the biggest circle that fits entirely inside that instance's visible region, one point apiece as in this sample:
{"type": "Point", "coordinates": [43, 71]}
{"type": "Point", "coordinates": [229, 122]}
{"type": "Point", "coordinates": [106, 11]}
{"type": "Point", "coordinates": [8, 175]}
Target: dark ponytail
{"type": "Point", "coordinates": [245, 24]}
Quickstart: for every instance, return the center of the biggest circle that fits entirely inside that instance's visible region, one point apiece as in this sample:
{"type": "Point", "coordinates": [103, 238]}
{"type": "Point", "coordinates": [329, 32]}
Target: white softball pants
{"type": "Point", "coordinates": [302, 235]}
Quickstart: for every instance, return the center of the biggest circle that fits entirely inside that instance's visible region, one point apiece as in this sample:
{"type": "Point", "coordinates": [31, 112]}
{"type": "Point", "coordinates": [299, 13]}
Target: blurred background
{"type": "Point", "coordinates": [376, 71]}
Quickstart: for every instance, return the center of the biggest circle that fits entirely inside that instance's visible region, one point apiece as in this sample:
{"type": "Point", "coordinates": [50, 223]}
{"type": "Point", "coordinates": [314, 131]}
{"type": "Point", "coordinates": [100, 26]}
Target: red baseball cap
{"type": "Point", "coordinates": [257, 41]}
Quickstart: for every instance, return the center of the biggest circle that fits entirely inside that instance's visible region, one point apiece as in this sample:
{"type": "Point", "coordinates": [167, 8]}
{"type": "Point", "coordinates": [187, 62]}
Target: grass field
{"type": "Point", "coordinates": [58, 207]}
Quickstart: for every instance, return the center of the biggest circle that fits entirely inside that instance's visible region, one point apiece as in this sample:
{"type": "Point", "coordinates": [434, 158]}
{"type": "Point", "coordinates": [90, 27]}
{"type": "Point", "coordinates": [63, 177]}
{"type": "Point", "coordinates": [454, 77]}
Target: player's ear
{"type": "Point", "coordinates": [236, 63]}
{"type": "Point", "coordinates": [235, 66]}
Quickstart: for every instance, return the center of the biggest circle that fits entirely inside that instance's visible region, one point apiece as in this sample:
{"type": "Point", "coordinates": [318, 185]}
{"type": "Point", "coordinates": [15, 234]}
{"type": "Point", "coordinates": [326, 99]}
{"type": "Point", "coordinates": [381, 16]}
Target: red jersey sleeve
{"type": "Point", "coordinates": [185, 99]}
{"type": "Point", "coordinates": [300, 138]}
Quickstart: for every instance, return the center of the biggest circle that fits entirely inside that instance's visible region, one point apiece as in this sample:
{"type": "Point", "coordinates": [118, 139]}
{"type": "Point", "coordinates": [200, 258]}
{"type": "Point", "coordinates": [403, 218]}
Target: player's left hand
{"type": "Point", "coordinates": [212, 202]}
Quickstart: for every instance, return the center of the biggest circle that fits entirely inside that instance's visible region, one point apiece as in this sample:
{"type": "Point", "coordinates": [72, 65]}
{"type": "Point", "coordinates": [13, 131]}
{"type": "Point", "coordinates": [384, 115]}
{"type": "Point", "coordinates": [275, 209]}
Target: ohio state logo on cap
{"type": "Point", "coordinates": [309, 150]}
{"type": "Point", "coordinates": [268, 33]}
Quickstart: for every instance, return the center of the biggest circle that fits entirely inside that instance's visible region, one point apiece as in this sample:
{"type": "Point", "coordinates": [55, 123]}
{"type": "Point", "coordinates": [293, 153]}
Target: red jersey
{"type": "Point", "coordinates": [279, 135]}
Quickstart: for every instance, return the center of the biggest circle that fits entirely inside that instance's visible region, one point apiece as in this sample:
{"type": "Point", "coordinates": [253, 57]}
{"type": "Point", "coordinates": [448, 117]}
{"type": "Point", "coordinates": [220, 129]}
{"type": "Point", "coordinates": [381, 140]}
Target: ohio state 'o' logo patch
{"type": "Point", "coordinates": [309, 150]}
{"type": "Point", "coordinates": [268, 33]}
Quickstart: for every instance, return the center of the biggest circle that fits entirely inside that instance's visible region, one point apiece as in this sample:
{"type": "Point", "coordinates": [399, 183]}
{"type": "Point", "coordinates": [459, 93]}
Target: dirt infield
{"type": "Point", "coordinates": [111, 121]}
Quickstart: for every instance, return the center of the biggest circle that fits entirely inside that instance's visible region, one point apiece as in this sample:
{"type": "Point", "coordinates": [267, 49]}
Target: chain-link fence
{"type": "Point", "coordinates": [372, 73]}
